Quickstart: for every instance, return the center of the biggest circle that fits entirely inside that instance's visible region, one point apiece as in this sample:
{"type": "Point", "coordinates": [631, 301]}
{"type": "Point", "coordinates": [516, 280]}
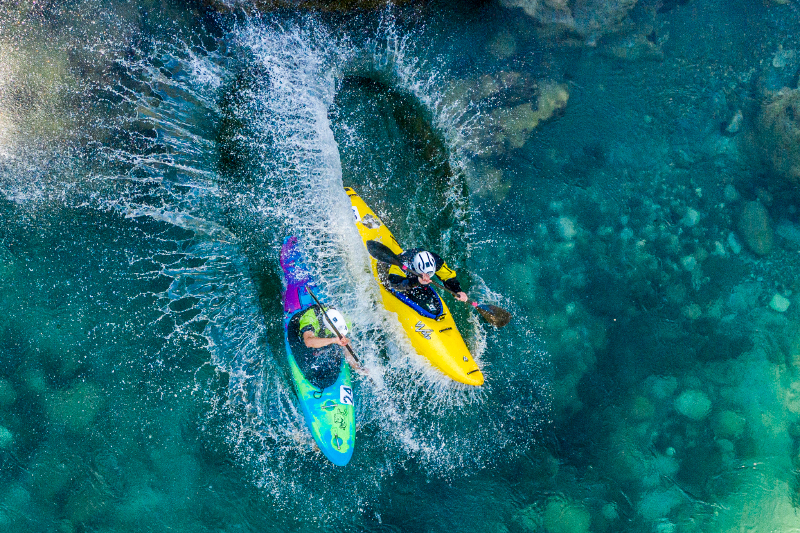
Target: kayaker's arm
{"type": "Point", "coordinates": [355, 364]}
{"type": "Point", "coordinates": [448, 277]}
{"type": "Point", "coordinates": [402, 283]}
{"type": "Point", "coordinates": [312, 341]}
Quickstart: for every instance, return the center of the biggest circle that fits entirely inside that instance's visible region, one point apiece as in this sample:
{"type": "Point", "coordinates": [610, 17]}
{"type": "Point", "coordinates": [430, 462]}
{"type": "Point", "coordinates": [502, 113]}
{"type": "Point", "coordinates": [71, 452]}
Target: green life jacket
{"type": "Point", "coordinates": [313, 317]}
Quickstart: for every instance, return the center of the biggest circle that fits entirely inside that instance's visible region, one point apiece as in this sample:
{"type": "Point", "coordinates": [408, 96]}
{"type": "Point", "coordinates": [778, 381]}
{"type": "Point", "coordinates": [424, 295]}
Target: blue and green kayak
{"type": "Point", "coordinates": [329, 412]}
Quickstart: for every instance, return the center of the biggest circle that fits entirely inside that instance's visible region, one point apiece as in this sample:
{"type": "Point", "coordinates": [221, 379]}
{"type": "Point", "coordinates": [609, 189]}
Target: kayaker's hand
{"type": "Point", "coordinates": [425, 279]}
{"type": "Point", "coordinates": [462, 296]}
{"type": "Point", "coordinates": [343, 341]}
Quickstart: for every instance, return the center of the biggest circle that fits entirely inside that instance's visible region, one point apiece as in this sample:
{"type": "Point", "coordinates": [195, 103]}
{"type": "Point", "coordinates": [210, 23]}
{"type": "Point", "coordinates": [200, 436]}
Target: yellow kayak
{"type": "Point", "coordinates": [436, 339]}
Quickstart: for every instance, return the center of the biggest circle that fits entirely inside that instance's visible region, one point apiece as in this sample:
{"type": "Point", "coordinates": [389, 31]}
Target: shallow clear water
{"type": "Point", "coordinates": [154, 155]}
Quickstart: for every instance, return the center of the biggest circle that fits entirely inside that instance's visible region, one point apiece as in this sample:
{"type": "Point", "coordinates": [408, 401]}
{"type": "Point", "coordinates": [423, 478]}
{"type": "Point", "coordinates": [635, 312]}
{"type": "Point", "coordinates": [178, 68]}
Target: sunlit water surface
{"type": "Point", "coordinates": [153, 157]}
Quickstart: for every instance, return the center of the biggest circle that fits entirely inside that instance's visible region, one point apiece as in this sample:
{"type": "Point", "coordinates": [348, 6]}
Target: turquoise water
{"type": "Point", "coordinates": [619, 176]}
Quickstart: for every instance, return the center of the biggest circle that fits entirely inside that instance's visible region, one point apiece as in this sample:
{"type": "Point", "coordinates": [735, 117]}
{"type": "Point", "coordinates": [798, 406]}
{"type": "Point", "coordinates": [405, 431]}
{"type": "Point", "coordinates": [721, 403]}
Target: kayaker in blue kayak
{"type": "Point", "coordinates": [321, 362]}
{"type": "Point", "coordinates": [428, 264]}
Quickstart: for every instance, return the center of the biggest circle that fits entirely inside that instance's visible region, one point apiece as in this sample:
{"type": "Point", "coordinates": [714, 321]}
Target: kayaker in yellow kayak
{"type": "Point", "coordinates": [427, 264]}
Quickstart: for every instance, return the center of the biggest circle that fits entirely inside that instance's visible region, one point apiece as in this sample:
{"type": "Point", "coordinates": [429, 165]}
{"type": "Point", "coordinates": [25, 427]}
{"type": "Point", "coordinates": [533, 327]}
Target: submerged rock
{"type": "Point", "coordinates": [779, 133]}
{"type": "Point", "coordinates": [516, 123]}
{"type": "Point", "coordinates": [562, 516]}
{"type": "Point", "coordinates": [503, 45]}
{"type": "Point", "coordinates": [528, 519]}
{"type": "Point", "coordinates": [589, 18]}
{"type": "Point", "coordinates": [779, 303]}
{"type": "Point", "coordinates": [75, 408]}
{"type": "Point", "coordinates": [488, 182]}
{"type": "Point", "coordinates": [52, 470]}
{"type": "Point", "coordinates": [730, 193]}
{"type": "Point", "coordinates": [566, 228]}
{"type": "Point", "coordinates": [6, 438]}
{"type": "Point", "coordinates": [7, 394]}
{"type": "Point", "coordinates": [781, 71]}
{"type": "Point", "coordinates": [755, 228]}
{"type": "Point", "coordinates": [659, 503]}
{"type": "Point", "coordinates": [7, 262]}
{"type": "Point", "coordinates": [729, 425]}
{"type": "Point", "coordinates": [693, 404]}
{"type": "Point", "coordinates": [636, 47]}
{"type": "Point", "coordinates": [317, 5]}
{"type": "Point", "coordinates": [661, 387]}
{"type": "Point", "coordinates": [735, 125]}
{"type": "Point", "coordinates": [503, 108]}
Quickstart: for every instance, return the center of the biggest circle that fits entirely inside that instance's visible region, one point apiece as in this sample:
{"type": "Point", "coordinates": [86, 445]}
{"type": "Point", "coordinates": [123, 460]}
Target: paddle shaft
{"type": "Point", "coordinates": [438, 284]}
{"type": "Point", "coordinates": [330, 322]}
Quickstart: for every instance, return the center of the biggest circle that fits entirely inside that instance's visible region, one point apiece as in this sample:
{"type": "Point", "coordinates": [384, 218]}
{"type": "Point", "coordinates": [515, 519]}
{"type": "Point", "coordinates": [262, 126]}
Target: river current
{"type": "Point", "coordinates": [621, 176]}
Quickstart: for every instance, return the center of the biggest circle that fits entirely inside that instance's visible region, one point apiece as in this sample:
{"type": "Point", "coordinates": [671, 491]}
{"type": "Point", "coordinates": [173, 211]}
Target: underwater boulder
{"type": "Point", "coordinates": [589, 18]}
{"type": "Point", "coordinates": [657, 504]}
{"type": "Point", "coordinates": [643, 45]}
{"type": "Point", "coordinates": [503, 45]}
{"type": "Point", "coordinates": [515, 124]}
{"type": "Point", "coordinates": [516, 103]}
{"type": "Point", "coordinates": [778, 131]}
{"type": "Point", "coordinates": [313, 5]}
{"type": "Point", "coordinates": [755, 228]}
{"type": "Point", "coordinates": [7, 262]}
{"type": "Point", "coordinates": [729, 425]}
{"type": "Point", "coordinates": [75, 408]}
{"type": "Point", "coordinates": [6, 438]}
{"type": "Point", "coordinates": [693, 404]}
{"type": "Point", "coordinates": [52, 470]}
{"type": "Point", "coordinates": [7, 394]}
{"type": "Point", "coordinates": [779, 303]}
{"type": "Point", "coordinates": [563, 516]}
{"type": "Point", "coordinates": [782, 70]}
{"type": "Point", "coordinates": [488, 182]}
{"type": "Point", "coordinates": [528, 519]}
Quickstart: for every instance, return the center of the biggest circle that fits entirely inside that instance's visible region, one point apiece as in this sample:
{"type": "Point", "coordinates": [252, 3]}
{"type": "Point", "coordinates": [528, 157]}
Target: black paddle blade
{"type": "Point", "coordinates": [383, 253]}
{"type": "Point", "coordinates": [496, 316]}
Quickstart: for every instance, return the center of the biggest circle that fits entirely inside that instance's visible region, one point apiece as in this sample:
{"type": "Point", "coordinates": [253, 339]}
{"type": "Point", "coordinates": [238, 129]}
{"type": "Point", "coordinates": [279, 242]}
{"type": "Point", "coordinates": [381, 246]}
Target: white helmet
{"type": "Point", "coordinates": [424, 262]}
{"type": "Point", "coordinates": [332, 316]}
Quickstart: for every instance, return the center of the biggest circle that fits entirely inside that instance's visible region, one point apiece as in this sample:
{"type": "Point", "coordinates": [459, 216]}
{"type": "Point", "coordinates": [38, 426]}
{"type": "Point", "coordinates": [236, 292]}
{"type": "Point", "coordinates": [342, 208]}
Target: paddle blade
{"type": "Point", "coordinates": [496, 316]}
{"type": "Point", "coordinates": [383, 253]}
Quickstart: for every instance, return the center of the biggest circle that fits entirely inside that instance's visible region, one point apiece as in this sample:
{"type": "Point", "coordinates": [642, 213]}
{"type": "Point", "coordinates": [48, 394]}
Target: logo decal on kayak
{"type": "Point", "coordinates": [420, 328]}
{"type": "Point", "coordinates": [345, 395]}
{"type": "Point", "coordinates": [371, 222]}
{"type": "Point", "coordinates": [355, 213]}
